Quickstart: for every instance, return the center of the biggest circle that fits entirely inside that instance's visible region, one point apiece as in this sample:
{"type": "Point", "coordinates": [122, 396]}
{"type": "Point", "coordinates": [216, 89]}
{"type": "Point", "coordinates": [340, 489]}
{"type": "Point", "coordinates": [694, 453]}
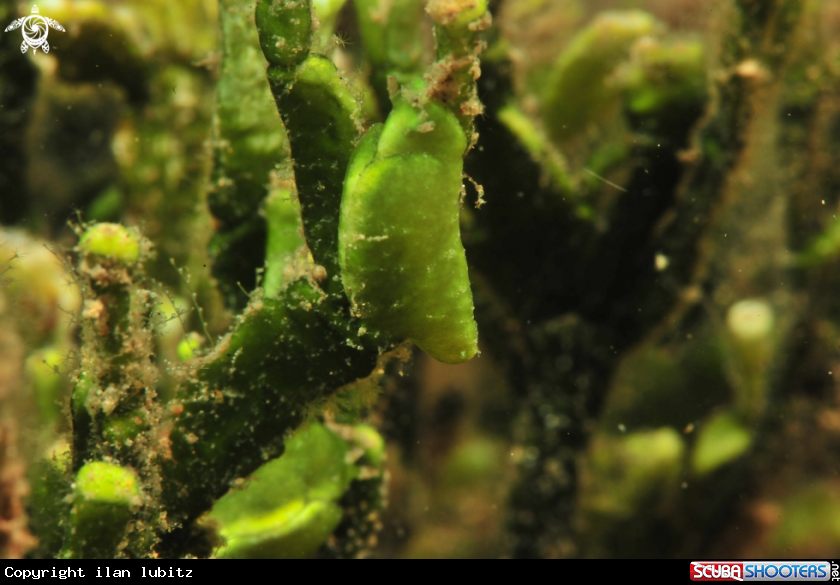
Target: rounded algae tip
{"type": "Point", "coordinates": [106, 482]}
{"type": "Point", "coordinates": [113, 241]}
{"type": "Point", "coordinates": [750, 319]}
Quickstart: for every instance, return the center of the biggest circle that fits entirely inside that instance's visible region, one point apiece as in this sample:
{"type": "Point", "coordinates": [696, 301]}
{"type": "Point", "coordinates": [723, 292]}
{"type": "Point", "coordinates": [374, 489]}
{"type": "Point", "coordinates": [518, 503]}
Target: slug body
{"type": "Point", "coordinates": [402, 261]}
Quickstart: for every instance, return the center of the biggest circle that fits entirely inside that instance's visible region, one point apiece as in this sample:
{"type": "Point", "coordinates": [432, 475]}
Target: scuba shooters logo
{"type": "Point", "coordinates": [765, 571]}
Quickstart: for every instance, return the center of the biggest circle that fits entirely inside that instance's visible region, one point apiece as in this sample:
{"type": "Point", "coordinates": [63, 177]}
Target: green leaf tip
{"type": "Point", "coordinates": [576, 92]}
{"type": "Point", "coordinates": [113, 241]}
{"type": "Point", "coordinates": [372, 443]}
{"type": "Point", "coordinates": [723, 439]}
{"type": "Point", "coordinates": [664, 77]}
{"type": "Point", "coordinates": [290, 506]}
{"type": "Point", "coordinates": [292, 532]}
{"type": "Point", "coordinates": [402, 261]}
{"type": "Point", "coordinates": [103, 482]}
{"type": "Point", "coordinates": [456, 15]}
{"type": "Point", "coordinates": [188, 346]}
{"type": "Point", "coordinates": [285, 28]}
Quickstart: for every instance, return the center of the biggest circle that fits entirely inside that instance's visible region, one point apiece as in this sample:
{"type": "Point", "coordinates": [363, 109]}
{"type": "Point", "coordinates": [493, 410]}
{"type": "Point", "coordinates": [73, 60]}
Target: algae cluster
{"type": "Point", "coordinates": [239, 237]}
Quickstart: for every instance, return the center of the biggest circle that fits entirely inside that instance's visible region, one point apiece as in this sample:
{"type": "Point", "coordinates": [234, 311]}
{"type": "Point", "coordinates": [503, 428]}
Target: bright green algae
{"type": "Point", "coordinates": [401, 256]}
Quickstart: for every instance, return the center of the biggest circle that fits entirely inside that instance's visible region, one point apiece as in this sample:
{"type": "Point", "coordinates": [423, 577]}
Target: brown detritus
{"type": "Point", "coordinates": [479, 191]}
{"type": "Point", "coordinates": [318, 273]}
{"type": "Point", "coordinates": [442, 84]}
{"type": "Point", "coordinates": [15, 539]}
{"type": "Point", "coordinates": [163, 440]}
{"type": "Point", "coordinates": [481, 24]}
{"type": "Point", "coordinates": [94, 309]}
{"type": "Point", "coordinates": [11, 361]}
{"type": "Point", "coordinates": [446, 12]}
{"type": "Point", "coordinates": [450, 83]}
{"type": "Point", "coordinates": [426, 127]}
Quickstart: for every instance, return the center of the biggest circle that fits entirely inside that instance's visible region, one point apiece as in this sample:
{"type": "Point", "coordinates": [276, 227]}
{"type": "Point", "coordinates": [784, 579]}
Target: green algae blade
{"type": "Point", "coordinates": [403, 264]}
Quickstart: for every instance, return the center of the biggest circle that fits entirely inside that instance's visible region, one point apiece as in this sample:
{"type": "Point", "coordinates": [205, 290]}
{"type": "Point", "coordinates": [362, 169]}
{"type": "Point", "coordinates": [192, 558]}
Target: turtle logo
{"type": "Point", "coordinates": [35, 30]}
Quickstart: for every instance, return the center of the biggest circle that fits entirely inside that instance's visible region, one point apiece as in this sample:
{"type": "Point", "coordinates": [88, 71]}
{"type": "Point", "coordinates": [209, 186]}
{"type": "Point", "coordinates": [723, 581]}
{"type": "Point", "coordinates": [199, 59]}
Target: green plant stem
{"type": "Point", "coordinates": [250, 146]}
{"type": "Point", "coordinates": [261, 380]}
{"type": "Point", "coordinates": [393, 43]}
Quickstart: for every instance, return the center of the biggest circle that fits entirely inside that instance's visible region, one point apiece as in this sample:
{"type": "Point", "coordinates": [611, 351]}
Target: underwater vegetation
{"type": "Point", "coordinates": [420, 278]}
